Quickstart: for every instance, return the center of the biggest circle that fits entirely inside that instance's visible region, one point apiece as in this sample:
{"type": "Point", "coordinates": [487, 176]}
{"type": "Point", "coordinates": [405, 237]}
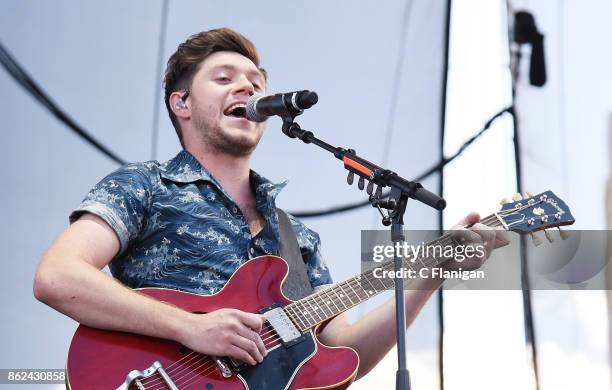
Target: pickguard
{"type": "Point", "coordinates": [279, 367]}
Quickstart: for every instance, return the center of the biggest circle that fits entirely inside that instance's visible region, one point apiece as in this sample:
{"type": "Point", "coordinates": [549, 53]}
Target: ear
{"type": "Point", "coordinates": [179, 108]}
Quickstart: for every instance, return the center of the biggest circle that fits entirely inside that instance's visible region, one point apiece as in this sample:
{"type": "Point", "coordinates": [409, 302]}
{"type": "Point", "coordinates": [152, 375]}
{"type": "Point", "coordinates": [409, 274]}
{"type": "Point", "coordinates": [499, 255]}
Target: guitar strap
{"type": "Point", "coordinates": [297, 285]}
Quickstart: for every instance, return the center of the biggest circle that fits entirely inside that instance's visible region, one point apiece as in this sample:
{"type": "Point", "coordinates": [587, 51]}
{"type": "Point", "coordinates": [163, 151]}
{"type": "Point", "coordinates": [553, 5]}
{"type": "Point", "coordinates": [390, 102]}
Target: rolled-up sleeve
{"type": "Point", "coordinates": [121, 199]}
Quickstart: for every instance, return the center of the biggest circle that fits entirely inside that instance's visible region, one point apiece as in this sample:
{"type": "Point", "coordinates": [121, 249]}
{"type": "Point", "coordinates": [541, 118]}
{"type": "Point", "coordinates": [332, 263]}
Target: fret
{"type": "Point", "coordinates": [332, 300]}
{"type": "Point", "coordinates": [314, 308]}
{"type": "Point", "coordinates": [369, 282]}
{"type": "Point", "coordinates": [294, 317]}
{"type": "Point", "coordinates": [373, 288]}
{"type": "Point", "coordinates": [319, 297]}
{"type": "Point", "coordinates": [421, 260]}
{"type": "Point", "coordinates": [344, 296]}
{"type": "Point", "coordinates": [340, 298]}
{"type": "Point", "coordinates": [337, 299]}
{"type": "Point", "coordinates": [304, 312]}
{"type": "Point", "coordinates": [310, 310]}
{"type": "Point", "coordinates": [372, 277]}
{"type": "Point", "coordinates": [368, 292]}
{"type": "Point", "coordinates": [357, 295]}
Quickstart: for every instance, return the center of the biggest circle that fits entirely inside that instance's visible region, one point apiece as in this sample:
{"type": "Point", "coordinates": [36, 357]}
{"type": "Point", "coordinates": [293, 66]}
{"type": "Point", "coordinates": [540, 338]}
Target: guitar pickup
{"type": "Point", "coordinates": [282, 325]}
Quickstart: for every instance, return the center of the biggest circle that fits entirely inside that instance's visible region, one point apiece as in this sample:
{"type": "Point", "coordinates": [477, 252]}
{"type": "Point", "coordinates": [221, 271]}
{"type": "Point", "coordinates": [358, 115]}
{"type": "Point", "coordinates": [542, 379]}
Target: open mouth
{"type": "Point", "coordinates": [237, 110]}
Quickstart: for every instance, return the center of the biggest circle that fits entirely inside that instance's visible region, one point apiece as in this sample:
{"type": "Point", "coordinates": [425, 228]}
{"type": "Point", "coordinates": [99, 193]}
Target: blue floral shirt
{"type": "Point", "coordinates": [179, 229]}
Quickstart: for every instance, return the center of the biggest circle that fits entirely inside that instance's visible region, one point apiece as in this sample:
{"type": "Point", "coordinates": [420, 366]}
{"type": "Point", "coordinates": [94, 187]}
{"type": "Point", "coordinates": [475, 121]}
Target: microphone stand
{"type": "Point", "coordinates": [401, 191]}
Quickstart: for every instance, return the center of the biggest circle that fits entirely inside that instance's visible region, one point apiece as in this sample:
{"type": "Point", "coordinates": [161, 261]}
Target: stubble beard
{"type": "Point", "coordinates": [220, 141]}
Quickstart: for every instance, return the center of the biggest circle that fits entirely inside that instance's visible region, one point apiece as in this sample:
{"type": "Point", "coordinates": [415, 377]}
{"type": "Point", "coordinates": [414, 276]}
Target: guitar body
{"type": "Point", "coordinates": [100, 359]}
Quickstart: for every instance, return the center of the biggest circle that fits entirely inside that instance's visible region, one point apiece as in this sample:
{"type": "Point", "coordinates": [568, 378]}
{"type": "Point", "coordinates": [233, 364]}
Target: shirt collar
{"type": "Point", "coordinates": [184, 168]}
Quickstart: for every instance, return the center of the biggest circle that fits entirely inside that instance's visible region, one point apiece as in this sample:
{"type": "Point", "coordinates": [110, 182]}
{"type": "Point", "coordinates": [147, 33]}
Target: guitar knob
{"type": "Point", "coordinates": [504, 201]}
{"type": "Point", "coordinates": [537, 241]}
{"type": "Point", "coordinates": [548, 236]}
{"type": "Point", "coordinates": [564, 235]}
{"type": "Point", "coordinates": [516, 197]}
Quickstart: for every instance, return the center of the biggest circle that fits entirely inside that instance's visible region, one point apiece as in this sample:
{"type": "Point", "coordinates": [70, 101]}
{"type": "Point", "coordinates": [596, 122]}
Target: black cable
{"type": "Point", "coordinates": [397, 78]}
{"type": "Point", "coordinates": [427, 173]}
{"type": "Point", "coordinates": [528, 320]}
{"type": "Point", "coordinates": [440, 308]}
{"type": "Point", "coordinates": [23, 79]}
{"type": "Point", "coordinates": [160, 63]}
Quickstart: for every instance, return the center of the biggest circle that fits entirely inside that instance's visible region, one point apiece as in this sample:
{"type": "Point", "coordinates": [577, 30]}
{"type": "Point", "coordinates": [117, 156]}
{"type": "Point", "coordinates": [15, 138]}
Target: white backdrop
{"type": "Point", "coordinates": [99, 62]}
{"type": "Point", "coordinates": [570, 115]}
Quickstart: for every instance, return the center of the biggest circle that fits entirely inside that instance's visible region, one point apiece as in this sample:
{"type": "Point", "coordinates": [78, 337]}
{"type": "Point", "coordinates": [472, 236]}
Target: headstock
{"type": "Point", "coordinates": [535, 213]}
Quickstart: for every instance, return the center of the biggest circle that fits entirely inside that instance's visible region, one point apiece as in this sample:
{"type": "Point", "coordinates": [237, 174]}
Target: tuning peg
{"type": "Point", "coordinates": [370, 188]}
{"type": "Point", "coordinates": [516, 197]}
{"type": "Point", "coordinates": [378, 192]}
{"type": "Point", "coordinates": [504, 201]}
{"type": "Point", "coordinates": [361, 183]}
{"type": "Point", "coordinates": [548, 236]}
{"type": "Point", "coordinates": [537, 241]}
{"type": "Point", "coordinates": [528, 194]}
{"type": "Point", "coordinates": [350, 178]}
{"type": "Point", "coordinates": [564, 235]}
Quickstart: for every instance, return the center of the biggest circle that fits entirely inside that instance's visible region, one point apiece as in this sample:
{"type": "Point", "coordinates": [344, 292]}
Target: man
{"type": "Point", "coordinates": [190, 222]}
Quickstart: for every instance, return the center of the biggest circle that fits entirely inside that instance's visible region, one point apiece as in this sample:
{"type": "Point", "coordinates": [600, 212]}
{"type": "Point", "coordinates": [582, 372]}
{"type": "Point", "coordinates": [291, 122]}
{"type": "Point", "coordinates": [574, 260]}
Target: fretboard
{"type": "Point", "coordinates": [338, 298]}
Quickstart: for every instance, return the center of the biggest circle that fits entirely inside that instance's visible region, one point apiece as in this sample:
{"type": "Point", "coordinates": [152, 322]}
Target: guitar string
{"type": "Point", "coordinates": [187, 365]}
{"type": "Point", "coordinates": [354, 281]}
{"type": "Point", "coordinates": [348, 295]}
{"type": "Point", "coordinates": [192, 355]}
{"type": "Point", "coordinates": [195, 378]}
{"type": "Point", "coordinates": [368, 277]}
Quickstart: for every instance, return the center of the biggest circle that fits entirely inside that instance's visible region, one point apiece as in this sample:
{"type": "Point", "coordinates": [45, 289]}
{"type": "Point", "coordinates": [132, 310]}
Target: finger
{"type": "Point", "coordinates": [240, 354]}
{"type": "Point", "coordinates": [253, 321]}
{"type": "Point", "coordinates": [467, 236]}
{"type": "Point", "coordinates": [501, 237]}
{"type": "Point", "coordinates": [247, 333]}
{"type": "Point", "coordinates": [488, 237]}
{"type": "Point", "coordinates": [475, 261]}
{"type": "Point", "coordinates": [469, 219]}
{"type": "Point", "coordinates": [248, 346]}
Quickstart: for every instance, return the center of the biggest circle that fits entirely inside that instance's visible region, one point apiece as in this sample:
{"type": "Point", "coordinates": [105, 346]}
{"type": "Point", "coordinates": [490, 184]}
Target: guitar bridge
{"type": "Point", "coordinates": [135, 377]}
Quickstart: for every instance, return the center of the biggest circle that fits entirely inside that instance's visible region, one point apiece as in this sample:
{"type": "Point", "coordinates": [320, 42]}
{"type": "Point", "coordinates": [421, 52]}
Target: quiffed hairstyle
{"type": "Point", "coordinates": [186, 61]}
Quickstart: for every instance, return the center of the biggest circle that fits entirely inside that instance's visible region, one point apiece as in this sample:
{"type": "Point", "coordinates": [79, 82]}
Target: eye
{"type": "Point", "coordinates": [257, 86]}
{"type": "Point", "coordinates": [223, 79]}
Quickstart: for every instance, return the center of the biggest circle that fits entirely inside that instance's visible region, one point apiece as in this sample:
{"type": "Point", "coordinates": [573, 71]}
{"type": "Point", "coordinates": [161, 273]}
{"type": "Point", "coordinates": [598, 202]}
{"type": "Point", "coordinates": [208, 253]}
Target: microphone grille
{"type": "Point", "coordinates": [251, 109]}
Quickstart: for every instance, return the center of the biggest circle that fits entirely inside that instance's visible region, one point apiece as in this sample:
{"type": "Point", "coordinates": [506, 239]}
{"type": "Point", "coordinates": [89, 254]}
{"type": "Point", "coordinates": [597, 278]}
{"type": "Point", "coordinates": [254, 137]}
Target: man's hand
{"type": "Point", "coordinates": [226, 332]}
{"type": "Point", "coordinates": [477, 234]}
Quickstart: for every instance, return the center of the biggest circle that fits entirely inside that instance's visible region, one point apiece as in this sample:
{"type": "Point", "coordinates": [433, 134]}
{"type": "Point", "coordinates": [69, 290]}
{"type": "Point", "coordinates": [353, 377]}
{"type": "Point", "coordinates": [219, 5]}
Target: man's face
{"type": "Point", "coordinates": [219, 92]}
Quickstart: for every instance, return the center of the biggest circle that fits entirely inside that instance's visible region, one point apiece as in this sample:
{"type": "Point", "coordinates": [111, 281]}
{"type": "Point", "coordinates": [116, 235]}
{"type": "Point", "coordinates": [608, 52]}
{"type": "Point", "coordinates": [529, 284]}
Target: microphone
{"type": "Point", "coordinates": [290, 104]}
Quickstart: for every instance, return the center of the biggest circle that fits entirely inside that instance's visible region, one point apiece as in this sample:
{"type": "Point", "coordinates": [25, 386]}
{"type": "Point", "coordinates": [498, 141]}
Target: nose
{"type": "Point", "coordinates": [243, 85]}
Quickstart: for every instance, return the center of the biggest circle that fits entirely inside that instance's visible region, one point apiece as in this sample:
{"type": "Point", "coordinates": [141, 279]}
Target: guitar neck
{"type": "Point", "coordinates": [338, 298]}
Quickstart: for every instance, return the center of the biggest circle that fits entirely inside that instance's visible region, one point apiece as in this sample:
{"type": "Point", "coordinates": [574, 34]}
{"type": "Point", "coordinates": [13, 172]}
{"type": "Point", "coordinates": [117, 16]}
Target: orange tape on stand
{"type": "Point", "coordinates": [358, 167]}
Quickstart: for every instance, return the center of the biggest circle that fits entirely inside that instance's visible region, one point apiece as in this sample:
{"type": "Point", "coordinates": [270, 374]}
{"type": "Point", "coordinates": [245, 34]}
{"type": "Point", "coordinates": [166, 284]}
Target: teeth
{"type": "Point", "coordinates": [234, 106]}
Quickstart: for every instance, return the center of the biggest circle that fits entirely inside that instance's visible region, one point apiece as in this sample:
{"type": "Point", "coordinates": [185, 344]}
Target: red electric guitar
{"type": "Point", "coordinates": [296, 359]}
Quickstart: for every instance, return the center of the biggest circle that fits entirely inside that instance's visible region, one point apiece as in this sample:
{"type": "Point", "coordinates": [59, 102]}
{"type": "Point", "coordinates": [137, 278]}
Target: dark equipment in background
{"type": "Point", "coordinates": [526, 32]}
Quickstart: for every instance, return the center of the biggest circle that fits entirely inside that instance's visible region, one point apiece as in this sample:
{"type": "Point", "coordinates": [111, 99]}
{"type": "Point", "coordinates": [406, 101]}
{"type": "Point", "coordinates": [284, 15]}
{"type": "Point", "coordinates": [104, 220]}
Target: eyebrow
{"type": "Point", "coordinates": [233, 68]}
